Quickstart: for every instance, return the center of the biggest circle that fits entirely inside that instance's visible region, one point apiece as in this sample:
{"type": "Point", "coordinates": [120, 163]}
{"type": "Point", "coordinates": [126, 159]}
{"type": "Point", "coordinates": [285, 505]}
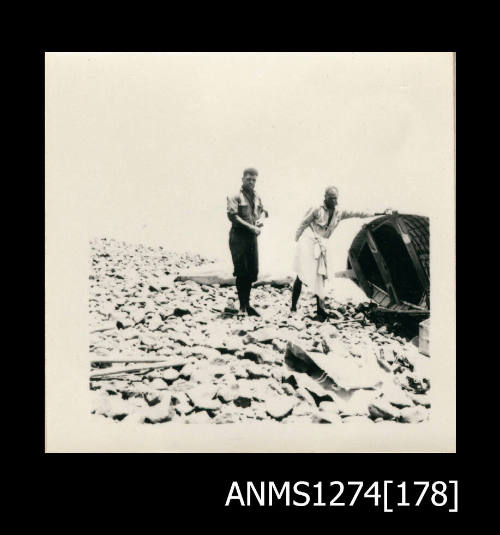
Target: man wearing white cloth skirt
{"type": "Point", "coordinates": [310, 262]}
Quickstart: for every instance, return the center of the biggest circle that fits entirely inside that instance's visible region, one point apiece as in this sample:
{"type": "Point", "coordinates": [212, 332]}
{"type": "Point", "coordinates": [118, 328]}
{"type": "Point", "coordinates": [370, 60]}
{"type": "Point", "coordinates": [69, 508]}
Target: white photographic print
{"type": "Point", "coordinates": [250, 252]}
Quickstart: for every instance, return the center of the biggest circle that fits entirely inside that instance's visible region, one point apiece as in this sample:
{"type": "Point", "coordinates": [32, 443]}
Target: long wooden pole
{"type": "Point", "coordinates": [131, 369]}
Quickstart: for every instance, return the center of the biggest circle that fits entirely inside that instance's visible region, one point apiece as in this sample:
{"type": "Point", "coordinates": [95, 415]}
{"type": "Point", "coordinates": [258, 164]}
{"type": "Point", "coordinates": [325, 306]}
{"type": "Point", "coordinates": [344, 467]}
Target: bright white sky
{"type": "Point", "coordinates": [147, 146]}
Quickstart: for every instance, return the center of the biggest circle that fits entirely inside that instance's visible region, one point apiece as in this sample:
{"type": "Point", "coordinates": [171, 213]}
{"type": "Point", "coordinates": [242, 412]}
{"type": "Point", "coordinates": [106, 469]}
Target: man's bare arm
{"type": "Point", "coordinates": [305, 222]}
{"type": "Point", "coordinates": [347, 214]}
{"type": "Point", "coordinates": [235, 218]}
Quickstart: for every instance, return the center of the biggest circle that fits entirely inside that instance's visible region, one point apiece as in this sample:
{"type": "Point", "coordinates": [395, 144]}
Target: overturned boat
{"type": "Point", "coordinates": [389, 260]}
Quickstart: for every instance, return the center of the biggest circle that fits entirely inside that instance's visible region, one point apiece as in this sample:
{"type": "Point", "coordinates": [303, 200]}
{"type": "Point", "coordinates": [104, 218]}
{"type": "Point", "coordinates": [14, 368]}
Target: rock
{"type": "Point", "coordinates": [179, 312]}
{"type": "Point", "coordinates": [280, 408]}
{"type": "Point", "coordinates": [100, 402]}
{"type": "Point", "coordinates": [420, 399]}
{"type": "Point", "coordinates": [230, 345]}
{"type": "Point", "coordinates": [149, 340]}
{"type": "Point", "coordinates": [383, 409]}
{"type": "Point", "coordinates": [421, 364]}
{"type": "Point", "coordinates": [206, 352]}
{"type": "Point", "coordinates": [226, 417]}
{"type": "Point", "coordinates": [265, 335]}
{"type": "Point", "coordinates": [254, 353]}
{"type": "Point", "coordinates": [239, 331]}
{"type": "Point", "coordinates": [328, 331]}
{"type": "Point", "coordinates": [298, 360]}
{"type": "Point", "coordinates": [261, 389]}
{"type": "Point", "coordinates": [329, 411]}
{"type": "Point", "coordinates": [131, 334]}
{"type": "Point", "coordinates": [355, 402]}
{"type": "Point", "coordinates": [152, 398]}
{"type": "Point", "coordinates": [140, 388]}
{"type": "Point", "coordinates": [313, 388]}
{"type": "Point", "coordinates": [348, 373]}
{"type": "Point", "coordinates": [124, 324]}
{"type": "Point", "coordinates": [181, 403]}
{"type": "Point", "coordinates": [202, 397]}
{"type": "Point", "coordinates": [338, 348]}
{"type": "Point", "coordinates": [198, 418]}
{"type": "Point", "coordinates": [329, 406]}
{"type": "Point", "coordinates": [396, 396]}
{"type": "Point", "coordinates": [161, 412]}
{"type": "Point", "coordinates": [296, 323]}
{"type": "Point", "coordinates": [179, 338]}
{"type": "Point", "coordinates": [158, 384]}
{"type": "Point", "coordinates": [155, 322]}
{"type": "Point", "coordinates": [358, 420]}
{"type": "Point", "coordinates": [119, 409]}
{"type": "Point", "coordinates": [113, 407]}
{"type": "Point", "coordinates": [138, 316]}
{"type": "Point", "coordinates": [170, 375]}
{"type": "Point", "coordinates": [242, 401]}
{"type": "Point", "coordinates": [279, 346]}
{"type": "Point", "coordinates": [412, 415]}
{"type": "Point", "coordinates": [255, 371]}
{"type": "Point", "coordinates": [417, 384]}
{"type": "Point", "coordinates": [228, 393]}
{"type": "Point", "coordinates": [304, 394]}
{"type": "Point", "coordinates": [105, 326]}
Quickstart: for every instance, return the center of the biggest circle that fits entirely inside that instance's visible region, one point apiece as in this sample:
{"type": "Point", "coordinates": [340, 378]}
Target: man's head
{"type": "Point", "coordinates": [331, 196]}
{"type": "Point", "coordinates": [249, 178]}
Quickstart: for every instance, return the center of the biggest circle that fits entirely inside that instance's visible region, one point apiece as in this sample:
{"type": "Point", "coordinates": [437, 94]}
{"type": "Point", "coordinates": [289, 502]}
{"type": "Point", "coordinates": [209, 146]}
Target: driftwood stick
{"type": "Point", "coordinates": [131, 369]}
{"type": "Point", "coordinates": [125, 360]}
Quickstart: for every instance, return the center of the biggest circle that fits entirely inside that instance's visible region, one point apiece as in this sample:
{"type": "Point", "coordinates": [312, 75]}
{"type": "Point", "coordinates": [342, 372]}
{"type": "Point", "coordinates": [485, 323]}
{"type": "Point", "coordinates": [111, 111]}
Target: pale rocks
{"type": "Point", "coordinates": [280, 408]}
{"type": "Point", "coordinates": [230, 345]}
{"type": "Point", "coordinates": [277, 367]}
{"type": "Point", "coordinates": [105, 326]}
{"type": "Point", "coordinates": [204, 398]}
{"type": "Point", "coordinates": [254, 353]}
{"type": "Point", "coordinates": [170, 375]}
{"type": "Point", "coordinates": [181, 403]}
{"type": "Point", "coordinates": [383, 409]}
{"type": "Point", "coordinates": [160, 412]}
{"type": "Point", "coordinates": [181, 311]}
{"type": "Point", "coordinates": [355, 402]}
{"type": "Point", "coordinates": [349, 374]}
{"type": "Point", "coordinates": [206, 352]}
{"type": "Point", "coordinates": [198, 418]}
{"type": "Point", "coordinates": [158, 384]}
{"type": "Point", "coordinates": [255, 371]}
{"type": "Point", "coordinates": [412, 415]}
{"type": "Point", "coordinates": [228, 393]}
{"type": "Point", "coordinates": [138, 316]}
{"type": "Point", "coordinates": [265, 335]}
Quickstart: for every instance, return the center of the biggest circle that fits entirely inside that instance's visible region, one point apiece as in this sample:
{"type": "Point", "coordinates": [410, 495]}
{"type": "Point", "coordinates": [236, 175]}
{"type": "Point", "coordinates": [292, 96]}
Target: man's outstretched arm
{"type": "Point", "coordinates": [346, 214]}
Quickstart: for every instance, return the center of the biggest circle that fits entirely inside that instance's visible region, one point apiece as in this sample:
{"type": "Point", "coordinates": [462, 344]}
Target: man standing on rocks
{"type": "Point", "coordinates": [245, 211]}
{"type": "Point", "coordinates": [310, 262]}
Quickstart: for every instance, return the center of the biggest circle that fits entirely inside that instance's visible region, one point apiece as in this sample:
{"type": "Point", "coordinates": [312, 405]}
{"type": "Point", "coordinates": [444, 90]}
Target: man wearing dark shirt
{"type": "Point", "coordinates": [245, 211]}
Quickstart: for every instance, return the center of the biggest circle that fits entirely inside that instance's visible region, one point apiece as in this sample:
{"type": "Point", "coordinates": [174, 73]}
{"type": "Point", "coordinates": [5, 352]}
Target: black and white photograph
{"type": "Point", "coordinates": [250, 252]}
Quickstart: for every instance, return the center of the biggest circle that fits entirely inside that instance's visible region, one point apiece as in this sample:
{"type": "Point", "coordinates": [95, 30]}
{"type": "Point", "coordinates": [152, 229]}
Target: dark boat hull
{"type": "Point", "coordinates": [390, 260]}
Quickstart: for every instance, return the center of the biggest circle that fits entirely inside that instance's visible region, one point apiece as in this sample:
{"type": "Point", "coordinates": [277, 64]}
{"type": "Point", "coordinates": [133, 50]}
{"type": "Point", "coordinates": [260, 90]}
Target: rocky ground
{"type": "Point", "coordinates": [163, 350]}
